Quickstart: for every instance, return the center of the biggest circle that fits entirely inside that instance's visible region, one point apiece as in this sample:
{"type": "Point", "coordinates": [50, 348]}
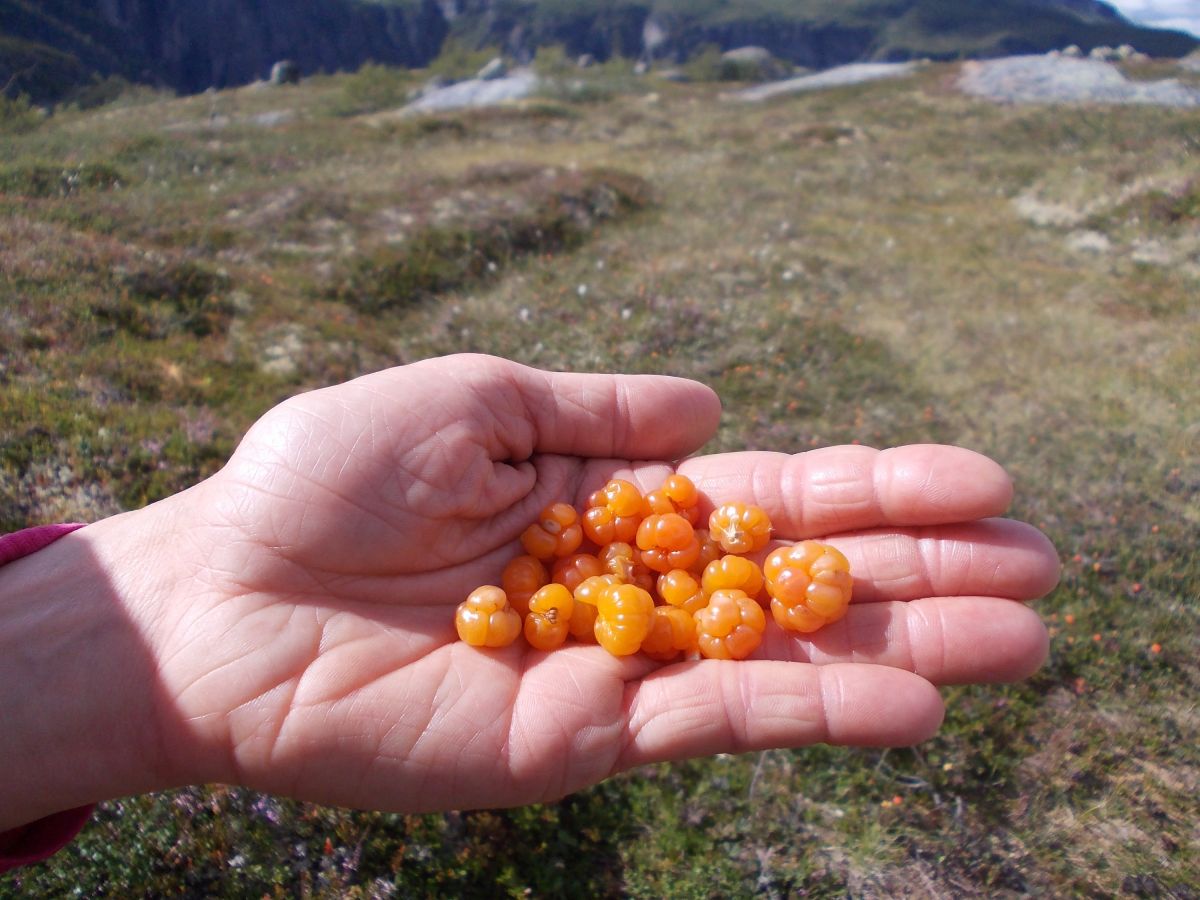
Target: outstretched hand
{"type": "Point", "coordinates": [307, 647]}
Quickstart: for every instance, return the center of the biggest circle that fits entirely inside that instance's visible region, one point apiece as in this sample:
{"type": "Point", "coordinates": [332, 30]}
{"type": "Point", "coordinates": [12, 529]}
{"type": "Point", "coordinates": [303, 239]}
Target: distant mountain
{"type": "Point", "coordinates": [50, 47]}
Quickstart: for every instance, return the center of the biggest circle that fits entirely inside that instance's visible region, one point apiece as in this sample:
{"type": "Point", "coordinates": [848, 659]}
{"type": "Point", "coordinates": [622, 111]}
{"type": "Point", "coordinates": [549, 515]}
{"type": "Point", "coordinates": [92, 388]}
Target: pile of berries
{"type": "Point", "coordinates": [651, 580]}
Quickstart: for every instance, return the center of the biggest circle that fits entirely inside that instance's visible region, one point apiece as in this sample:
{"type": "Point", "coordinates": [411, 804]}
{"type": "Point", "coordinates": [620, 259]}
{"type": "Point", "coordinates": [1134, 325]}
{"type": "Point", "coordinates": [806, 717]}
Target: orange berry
{"type": "Point", "coordinates": [557, 532]}
{"type": "Point", "coordinates": [681, 490]}
{"type": "Point", "coordinates": [573, 570]}
{"type": "Point", "coordinates": [625, 562]}
{"type": "Point", "coordinates": [731, 626]}
{"type": "Point", "coordinates": [739, 527]}
{"type": "Point", "coordinates": [672, 632]}
{"type": "Point", "coordinates": [658, 503]}
{"type": "Point", "coordinates": [549, 618]}
{"type": "Point", "coordinates": [583, 616]}
{"type": "Point", "coordinates": [485, 619]}
{"type": "Point", "coordinates": [521, 578]}
{"type": "Point", "coordinates": [709, 550]}
{"type": "Point", "coordinates": [810, 585]}
{"type": "Point", "coordinates": [667, 542]}
{"type": "Point", "coordinates": [622, 497]}
{"type": "Point", "coordinates": [680, 588]}
{"type": "Point", "coordinates": [623, 620]}
{"type": "Point", "coordinates": [602, 526]}
{"type": "Point", "coordinates": [733, 573]}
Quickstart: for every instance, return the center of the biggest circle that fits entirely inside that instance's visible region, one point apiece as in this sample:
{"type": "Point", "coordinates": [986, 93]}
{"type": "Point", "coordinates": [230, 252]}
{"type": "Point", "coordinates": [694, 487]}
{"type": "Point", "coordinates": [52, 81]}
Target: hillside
{"type": "Point", "coordinates": [48, 49]}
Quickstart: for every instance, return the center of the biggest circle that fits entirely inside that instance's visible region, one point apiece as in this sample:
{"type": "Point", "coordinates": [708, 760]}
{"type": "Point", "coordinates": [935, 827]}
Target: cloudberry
{"type": "Point", "coordinates": [624, 618]}
{"type": "Point", "coordinates": [810, 585]}
{"type": "Point", "coordinates": [549, 618]}
{"type": "Point", "coordinates": [672, 632]}
{"type": "Point", "coordinates": [681, 588]}
{"type": "Point", "coordinates": [739, 527]}
{"type": "Point", "coordinates": [709, 550]}
{"type": "Point", "coordinates": [485, 619]}
{"type": "Point", "coordinates": [583, 616]}
{"type": "Point", "coordinates": [557, 532]}
{"type": "Point", "coordinates": [572, 570]}
{"type": "Point", "coordinates": [521, 578]}
{"type": "Point", "coordinates": [677, 495]}
{"type": "Point", "coordinates": [614, 513]}
{"type": "Point", "coordinates": [625, 562]}
{"type": "Point", "coordinates": [731, 626]}
{"type": "Point", "coordinates": [733, 573]}
{"type": "Point", "coordinates": [667, 542]}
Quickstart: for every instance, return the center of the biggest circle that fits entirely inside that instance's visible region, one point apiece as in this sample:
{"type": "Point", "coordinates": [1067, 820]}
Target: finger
{"type": "Point", "coordinates": [848, 488]}
{"type": "Point", "coordinates": [990, 557]}
{"type": "Point", "coordinates": [717, 706]}
{"type": "Point", "coordinates": [945, 640]}
{"type": "Point", "coordinates": [589, 415]}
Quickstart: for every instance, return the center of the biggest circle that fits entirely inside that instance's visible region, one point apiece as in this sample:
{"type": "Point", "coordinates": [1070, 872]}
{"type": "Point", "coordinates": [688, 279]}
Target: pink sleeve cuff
{"type": "Point", "coordinates": [36, 841]}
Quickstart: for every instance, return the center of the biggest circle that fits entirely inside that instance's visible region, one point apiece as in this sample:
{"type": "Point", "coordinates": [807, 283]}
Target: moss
{"type": "Point", "coordinates": [49, 180]}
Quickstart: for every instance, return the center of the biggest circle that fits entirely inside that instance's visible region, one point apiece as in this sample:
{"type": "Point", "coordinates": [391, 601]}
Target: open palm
{"type": "Point", "coordinates": [320, 660]}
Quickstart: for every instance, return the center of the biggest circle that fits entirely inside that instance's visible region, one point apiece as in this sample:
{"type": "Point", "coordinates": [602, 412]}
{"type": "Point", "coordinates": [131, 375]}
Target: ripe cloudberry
{"type": "Point", "coordinates": [667, 542]}
{"type": "Point", "coordinates": [677, 495]}
{"type": "Point", "coordinates": [731, 626]}
{"type": "Point", "coordinates": [740, 527]}
{"type": "Point", "coordinates": [709, 550]}
{"type": "Point", "coordinates": [614, 513]}
{"type": "Point", "coordinates": [485, 618]}
{"type": "Point", "coordinates": [810, 585]}
{"type": "Point", "coordinates": [573, 570]}
{"type": "Point", "coordinates": [623, 620]}
{"type": "Point", "coordinates": [672, 632]}
{"type": "Point", "coordinates": [549, 619]}
{"type": "Point", "coordinates": [681, 588]}
{"type": "Point", "coordinates": [521, 578]}
{"type": "Point", "coordinates": [583, 616]}
{"type": "Point", "coordinates": [625, 562]}
{"type": "Point", "coordinates": [557, 532]}
{"type": "Point", "coordinates": [733, 573]}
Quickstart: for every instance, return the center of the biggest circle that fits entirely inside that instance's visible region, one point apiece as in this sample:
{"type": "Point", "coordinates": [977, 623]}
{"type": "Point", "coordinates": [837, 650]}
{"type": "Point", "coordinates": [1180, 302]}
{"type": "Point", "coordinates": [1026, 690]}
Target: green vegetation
{"type": "Point", "coordinates": [886, 263]}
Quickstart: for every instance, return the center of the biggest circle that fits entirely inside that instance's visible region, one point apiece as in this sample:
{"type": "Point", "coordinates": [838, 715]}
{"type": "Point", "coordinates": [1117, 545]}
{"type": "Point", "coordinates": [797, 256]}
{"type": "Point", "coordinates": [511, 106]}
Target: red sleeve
{"type": "Point", "coordinates": [34, 842]}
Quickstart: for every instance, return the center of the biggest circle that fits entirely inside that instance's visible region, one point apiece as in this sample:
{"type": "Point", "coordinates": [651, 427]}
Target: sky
{"type": "Point", "coordinates": [1181, 14]}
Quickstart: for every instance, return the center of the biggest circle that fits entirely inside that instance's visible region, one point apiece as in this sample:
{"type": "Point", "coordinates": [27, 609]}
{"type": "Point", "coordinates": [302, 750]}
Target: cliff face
{"type": "Point", "coordinates": [190, 45]}
{"type": "Point", "coordinates": [195, 45]}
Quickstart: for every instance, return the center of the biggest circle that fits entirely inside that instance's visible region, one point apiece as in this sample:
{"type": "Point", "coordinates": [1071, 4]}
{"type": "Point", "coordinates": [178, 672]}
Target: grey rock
{"type": "Point", "coordinates": [477, 92]}
{"type": "Point", "coordinates": [756, 62]}
{"type": "Point", "coordinates": [586, 61]}
{"type": "Point", "coordinates": [493, 70]}
{"type": "Point", "coordinates": [855, 73]}
{"type": "Point", "coordinates": [1044, 79]}
{"type": "Point", "coordinates": [285, 72]}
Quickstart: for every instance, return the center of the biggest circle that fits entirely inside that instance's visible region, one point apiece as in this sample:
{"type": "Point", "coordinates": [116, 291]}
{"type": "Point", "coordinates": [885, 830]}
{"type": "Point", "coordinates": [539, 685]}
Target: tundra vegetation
{"type": "Point", "coordinates": [883, 263]}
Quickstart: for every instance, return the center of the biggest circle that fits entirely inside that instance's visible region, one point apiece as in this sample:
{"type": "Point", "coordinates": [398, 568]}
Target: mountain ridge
{"type": "Point", "coordinates": [49, 48]}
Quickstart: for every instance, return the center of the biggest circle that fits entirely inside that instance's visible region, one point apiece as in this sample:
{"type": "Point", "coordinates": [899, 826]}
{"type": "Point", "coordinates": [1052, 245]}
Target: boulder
{"type": "Point", "coordinates": [285, 72]}
{"type": "Point", "coordinates": [493, 70]}
{"type": "Point", "coordinates": [752, 64]}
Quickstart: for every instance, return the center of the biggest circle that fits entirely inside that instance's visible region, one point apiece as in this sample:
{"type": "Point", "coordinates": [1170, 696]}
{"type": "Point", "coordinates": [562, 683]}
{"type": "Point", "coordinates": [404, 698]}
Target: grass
{"type": "Point", "coordinates": [841, 266]}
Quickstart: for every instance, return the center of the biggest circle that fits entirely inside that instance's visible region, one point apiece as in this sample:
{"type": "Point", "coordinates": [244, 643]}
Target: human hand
{"type": "Point", "coordinates": [305, 644]}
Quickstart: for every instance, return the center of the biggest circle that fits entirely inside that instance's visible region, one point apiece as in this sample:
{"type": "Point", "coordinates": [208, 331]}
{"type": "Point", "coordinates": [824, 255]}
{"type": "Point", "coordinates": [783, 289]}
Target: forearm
{"type": "Point", "coordinates": [80, 712]}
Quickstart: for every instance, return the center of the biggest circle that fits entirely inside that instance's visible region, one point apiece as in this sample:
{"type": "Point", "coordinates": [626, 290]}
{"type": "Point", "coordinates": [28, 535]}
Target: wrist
{"type": "Point", "coordinates": [80, 698]}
